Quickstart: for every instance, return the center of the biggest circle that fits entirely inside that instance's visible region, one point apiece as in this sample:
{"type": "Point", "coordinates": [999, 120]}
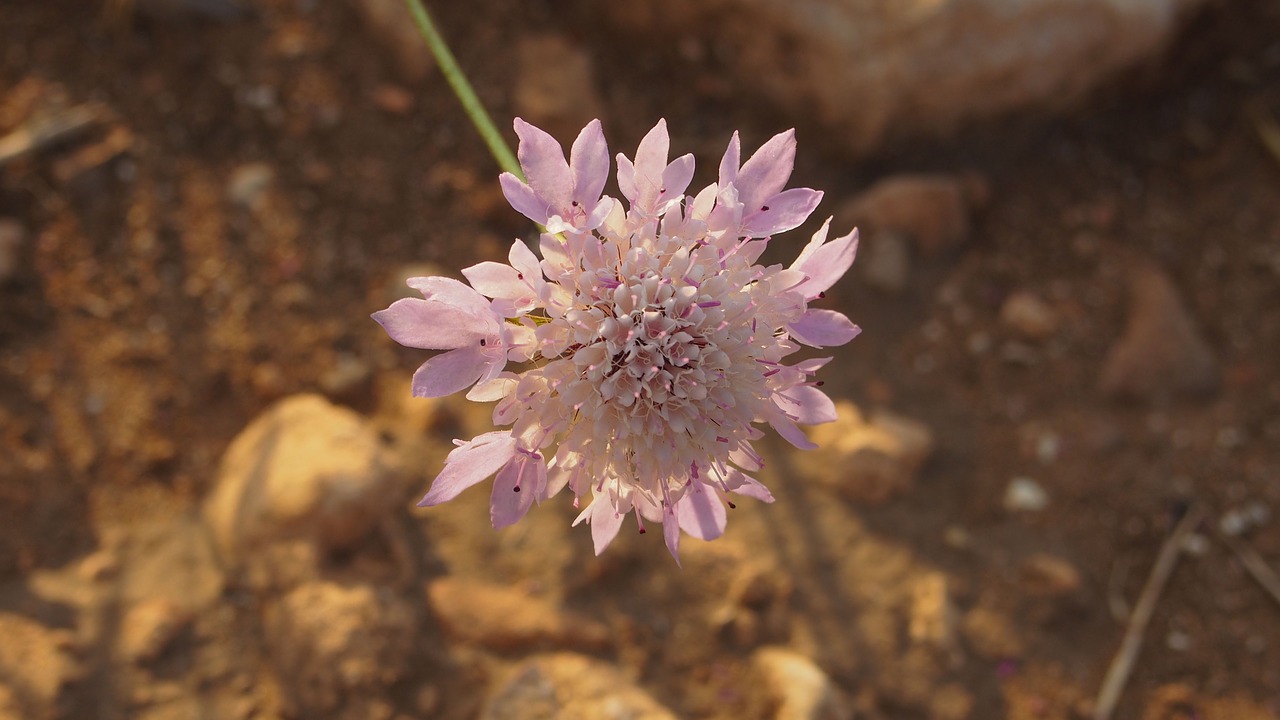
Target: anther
{"type": "Point", "coordinates": [482, 342]}
{"type": "Point", "coordinates": [764, 208]}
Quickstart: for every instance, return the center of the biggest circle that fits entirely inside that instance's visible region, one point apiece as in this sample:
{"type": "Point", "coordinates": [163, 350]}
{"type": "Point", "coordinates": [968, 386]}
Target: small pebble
{"type": "Point", "coordinates": [1178, 641]}
{"type": "Point", "coordinates": [1025, 495]}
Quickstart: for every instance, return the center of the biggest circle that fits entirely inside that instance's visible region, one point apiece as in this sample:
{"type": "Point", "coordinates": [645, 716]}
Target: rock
{"type": "Point", "coordinates": [952, 701]}
{"type": "Point", "coordinates": [798, 687]}
{"type": "Point", "coordinates": [555, 88]}
{"type": "Point", "coordinates": [170, 558]}
{"type": "Point", "coordinates": [931, 210]}
{"type": "Point", "coordinates": [933, 616]}
{"type": "Point", "coordinates": [1025, 495]}
{"type": "Point", "coordinates": [247, 184]}
{"type": "Point", "coordinates": [34, 667]}
{"type": "Point", "coordinates": [868, 462]}
{"type": "Point", "coordinates": [1161, 353]}
{"type": "Point", "coordinates": [303, 468]}
{"type": "Point", "coordinates": [872, 70]}
{"type": "Point", "coordinates": [334, 646]}
{"type": "Point", "coordinates": [567, 686]}
{"type": "Point", "coordinates": [150, 627]}
{"type": "Point", "coordinates": [884, 259]}
{"type": "Point", "coordinates": [990, 634]}
{"type": "Point", "coordinates": [504, 618]}
{"type": "Point", "coordinates": [391, 25]}
{"type": "Point", "coordinates": [1049, 576]}
{"type": "Point", "coordinates": [1028, 315]}
{"type": "Point", "coordinates": [12, 237]}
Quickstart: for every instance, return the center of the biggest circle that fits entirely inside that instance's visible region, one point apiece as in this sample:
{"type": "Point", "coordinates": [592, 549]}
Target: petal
{"type": "Point", "coordinates": [432, 325]}
{"type": "Point", "coordinates": [784, 211]}
{"type": "Point", "coordinates": [675, 180]}
{"type": "Point", "coordinates": [823, 328]}
{"type": "Point", "coordinates": [752, 488]}
{"type": "Point", "coordinates": [807, 404]}
{"type": "Point", "coordinates": [496, 280]}
{"type": "Point", "coordinates": [509, 502]}
{"type": "Point", "coordinates": [731, 161]}
{"type": "Point", "coordinates": [493, 390]}
{"type": "Point", "coordinates": [788, 430]}
{"type": "Point", "coordinates": [605, 520]}
{"type": "Point", "coordinates": [826, 263]}
{"type": "Point", "coordinates": [523, 198]}
{"type": "Point", "coordinates": [589, 161]}
{"type": "Point", "coordinates": [626, 177]}
{"type": "Point", "coordinates": [651, 155]}
{"type": "Point", "coordinates": [469, 464]}
{"type": "Point", "coordinates": [451, 292]}
{"type": "Point", "coordinates": [447, 373]}
{"type": "Point", "coordinates": [542, 160]}
{"type": "Point", "coordinates": [523, 260]}
{"type": "Point", "coordinates": [671, 533]}
{"type": "Point", "coordinates": [701, 513]}
{"type": "Point", "coordinates": [768, 170]}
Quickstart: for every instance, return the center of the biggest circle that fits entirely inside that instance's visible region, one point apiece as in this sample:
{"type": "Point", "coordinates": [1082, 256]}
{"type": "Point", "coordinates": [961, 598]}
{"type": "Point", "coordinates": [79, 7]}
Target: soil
{"type": "Point", "coordinates": [279, 181]}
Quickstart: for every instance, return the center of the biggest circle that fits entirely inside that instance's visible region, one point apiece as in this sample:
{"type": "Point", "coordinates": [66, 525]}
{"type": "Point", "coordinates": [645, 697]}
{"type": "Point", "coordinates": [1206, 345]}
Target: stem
{"type": "Point", "coordinates": [449, 66]}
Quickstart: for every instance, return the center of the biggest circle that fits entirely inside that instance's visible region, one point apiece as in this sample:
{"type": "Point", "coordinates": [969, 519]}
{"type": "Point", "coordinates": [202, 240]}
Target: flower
{"type": "Point", "coordinates": [651, 343]}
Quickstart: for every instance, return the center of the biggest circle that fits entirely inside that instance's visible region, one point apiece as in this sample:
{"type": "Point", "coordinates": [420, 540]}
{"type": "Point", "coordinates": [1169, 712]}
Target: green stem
{"type": "Point", "coordinates": [449, 66]}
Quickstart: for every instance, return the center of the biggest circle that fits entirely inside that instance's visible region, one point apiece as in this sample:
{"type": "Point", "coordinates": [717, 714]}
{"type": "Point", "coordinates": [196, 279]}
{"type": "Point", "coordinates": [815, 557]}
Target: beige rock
{"type": "Point", "coordinates": [801, 690]}
{"type": "Point", "coordinates": [150, 627]}
{"type": "Point", "coordinates": [1049, 575]}
{"type": "Point", "coordinates": [555, 87]}
{"type": "Point", "coordinates": [991, 635]}
{"type": "Point", "coordinates": [933, 616]}
{"type": "Point", "coordinates": [1028, 315]}
{"type": "Point", "coordinates": [391, 25]}
{"type": "Point", "coordinates": [872, 69]}
{"type": "Point", "coordinates": [303, 468]}
{"type": "Point", "coordinates": [34, 667]}
{"type": "Point", "coordinates": [931, 210]}
{"type": "Point", "coordinates": [868, 461]}
{"type": "Point", "coordinates": [504, 618]}
{"type": "Point", "coordinates": [567, 686]}
{"type": "Point", "coordinates": [1161, 353]}
{"type": "Point", "coordinates": [334, 646]}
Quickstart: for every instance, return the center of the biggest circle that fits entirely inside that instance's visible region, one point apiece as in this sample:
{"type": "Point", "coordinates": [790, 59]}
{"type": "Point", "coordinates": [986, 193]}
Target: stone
{"type": "Point", "coordinates": [568, 686]}
{"type": "Point", "coordinates": [991, 635]}
{"type": "Point", "coordinates": [933, 620]}
{"type": "Point", "coordinates": [555, 87]}
{"type": "Point", "coordinates": [336, 646]}
{"type": "Point", "coordinates": [798, 687]}
{"type": "Point", "coordinates": [150, 627]}
{"type": "Point", "coordinates": [1048, 575]}
{"type": "Point", "coordinates": [930, 210]}
{"type": "Point", "coordinates": [1161, 353]}
{"type": "Point", "coordinates": [872, 70]}
{"type": "Point", "coordinates": [504, 618]}
{"type": "Point", "coordinates": [868, 461]}
{"type": "Point", "coordinates": [303, 468]}
{"type": "Point", "coordinates": [34, 667]}
{"type": "Point", "coordinates": [884, 260]}
{"type": "Point", "coordinates": [952, 701]}
{"type": "Point", "coordinates": [247, 184]}
{"type": "Point", "coordinates": [12, 237]}
{"type": "Point", "coordinates": [1023, 494]}
{"type": "Point", "coordinates": [391, 25]}
{"type": "Point", "coordinates": [1029, 316]}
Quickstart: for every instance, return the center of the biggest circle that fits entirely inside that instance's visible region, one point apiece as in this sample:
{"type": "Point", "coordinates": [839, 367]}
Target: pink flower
{"type": "Point", "coordinates": [656, 344]}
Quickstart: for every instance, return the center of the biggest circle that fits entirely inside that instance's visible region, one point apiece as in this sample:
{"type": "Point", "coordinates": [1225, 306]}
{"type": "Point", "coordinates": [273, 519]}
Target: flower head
{"type": "Point", "coordinates": [654, 343]}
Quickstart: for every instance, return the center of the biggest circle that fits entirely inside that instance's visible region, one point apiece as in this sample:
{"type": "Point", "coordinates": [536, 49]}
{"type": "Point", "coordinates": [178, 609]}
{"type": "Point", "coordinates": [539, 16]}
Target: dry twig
{"type": "Point", "coordinates": [1122, 664]}
{"type": "Point", "coordinates": [1254, 563]}
{"type": "Point", "coordinates": [48, 130]}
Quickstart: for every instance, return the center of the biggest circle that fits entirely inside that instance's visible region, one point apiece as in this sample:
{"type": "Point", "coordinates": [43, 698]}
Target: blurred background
{"type": "Point", "coordinates": [1070, 264]}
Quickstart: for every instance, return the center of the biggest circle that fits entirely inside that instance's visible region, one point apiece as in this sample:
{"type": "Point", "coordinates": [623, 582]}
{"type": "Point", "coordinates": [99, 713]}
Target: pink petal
{"type": "Point", "coordinates": [506, 504]}
{"type": "Point", "coordinates": [701, 513]}
{"type": "Point", "coordinates": [675, 180]}
{"type": "Point", "coordinates": [432, 325]}
{"type": "Point", "coordinates": [523, 260]}
{"type": "Point", "coordinates": [731, 161]}
{"type": "Point", "coordinates": [451, 292]}
{"type": "Point", "coordinates": [605, 521]}
{"type": "Point", "coordinates": [496, 280]}
{"type": "Point", "coordinates": [825, 262]}
{"type": "Point", "coordinates": [626, 177]}
{"type": "Point", "coordinates": [671, 533]}
{"type": "Point", "coordinates": [788, 430]}
{"type": "Point", "coordinates": [787, 210]}
{"type": "Point", "coordinates": [589, 160]}
{"type": "Point", "coordinates": [750, 487]}
{"type": "Point", "coordinates": [447, 373]}
{"type": "Point", "coordinates": [469, 464]}
{"type": "Point", "coordinates": [542, 160]}
{"type": "Point", "coordinates": [823, 328]}
{"type": "Point", "coordinates": [651, 155]}
{"type": "Point", "coordinates": [807, 404]}
{"type": "Point", "coordinates": [524, 199]}
{"type": "Point", "coordinates": [767, 171]}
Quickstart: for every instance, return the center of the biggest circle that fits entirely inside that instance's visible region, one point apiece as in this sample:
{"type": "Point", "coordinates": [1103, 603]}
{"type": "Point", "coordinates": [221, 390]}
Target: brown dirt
{"type": "Point", "coordinates": [151, 318]}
